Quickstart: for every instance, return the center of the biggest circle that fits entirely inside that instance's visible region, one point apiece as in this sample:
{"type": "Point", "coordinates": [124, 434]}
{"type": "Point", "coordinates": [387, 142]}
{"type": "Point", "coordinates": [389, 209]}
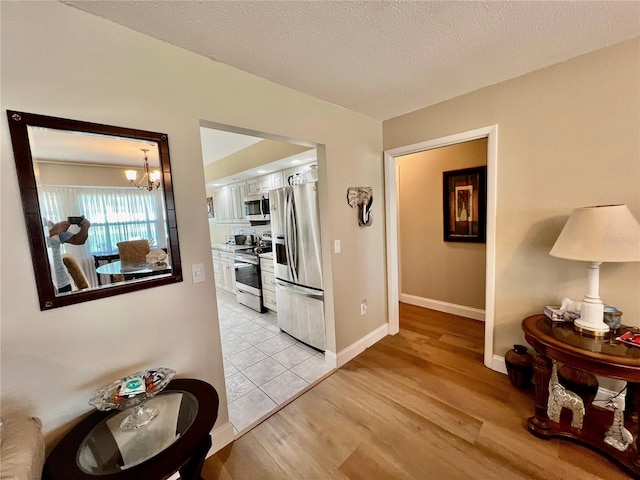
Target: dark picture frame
{"type": "Point", "coordinates": [210, 207]}
{"type": "Point", "coordinates": [49, 297]}
{"type": "Point", "coordinates": [465, 205]}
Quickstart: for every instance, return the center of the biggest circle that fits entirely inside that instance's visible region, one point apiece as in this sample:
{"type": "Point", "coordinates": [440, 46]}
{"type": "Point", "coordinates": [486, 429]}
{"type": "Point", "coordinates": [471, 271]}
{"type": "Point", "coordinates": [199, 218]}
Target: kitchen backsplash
{"type": "Point", "coordinates": [256, 231]}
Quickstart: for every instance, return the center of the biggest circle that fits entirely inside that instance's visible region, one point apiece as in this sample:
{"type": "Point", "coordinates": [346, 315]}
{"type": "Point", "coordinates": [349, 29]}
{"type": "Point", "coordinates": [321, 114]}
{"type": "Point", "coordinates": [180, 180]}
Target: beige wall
{"type": "Point", "coordinates": [431, 268]}
{"type": "Point", "coordinates": [265, 151]}
{"type": "Point", "coordinates": [83, 175]}
{"type": "Point", "coordinates": [569, 136]}
{"type": "Point", "coordinates": [62, 62]}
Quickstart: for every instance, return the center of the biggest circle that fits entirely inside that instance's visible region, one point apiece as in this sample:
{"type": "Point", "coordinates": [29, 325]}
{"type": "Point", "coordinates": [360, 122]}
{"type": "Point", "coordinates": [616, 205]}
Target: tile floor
{"type": "Point", "coordinates": [263, 366]}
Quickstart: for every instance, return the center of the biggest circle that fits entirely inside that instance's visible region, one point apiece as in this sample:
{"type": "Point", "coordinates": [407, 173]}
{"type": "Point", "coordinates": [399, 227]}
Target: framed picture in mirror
{"type": "Point", "coordinates": [210, 207]}
{"type": "Point", "coordinates": [86, 188]}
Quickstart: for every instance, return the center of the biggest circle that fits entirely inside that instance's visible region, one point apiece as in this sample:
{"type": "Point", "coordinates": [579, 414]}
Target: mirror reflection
{"type": "Point", "coordinates": [99, 195]}
{"type": "Point", "coordinates": [103, 222]}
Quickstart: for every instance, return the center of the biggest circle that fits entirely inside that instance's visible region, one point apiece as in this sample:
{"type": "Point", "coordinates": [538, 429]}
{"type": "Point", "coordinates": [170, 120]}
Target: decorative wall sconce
{"type": "Point", "coordinates": [362, 197]}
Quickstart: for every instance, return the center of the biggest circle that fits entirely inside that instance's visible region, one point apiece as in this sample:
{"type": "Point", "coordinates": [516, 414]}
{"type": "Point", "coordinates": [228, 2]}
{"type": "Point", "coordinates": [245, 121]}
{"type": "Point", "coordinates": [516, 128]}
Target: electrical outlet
{"type": "Point", "coordinates": [363, 306]}
{"type": "Point", "coordinates": [197, 273]}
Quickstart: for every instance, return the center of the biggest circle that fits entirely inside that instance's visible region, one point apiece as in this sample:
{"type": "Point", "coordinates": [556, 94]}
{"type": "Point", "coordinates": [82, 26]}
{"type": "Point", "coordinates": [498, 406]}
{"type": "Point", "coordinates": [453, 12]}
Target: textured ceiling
{"type": "Point", "coordinates": [381, 58]}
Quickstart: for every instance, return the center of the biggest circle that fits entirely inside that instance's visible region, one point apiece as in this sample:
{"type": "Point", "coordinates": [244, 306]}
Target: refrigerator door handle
{"type": "Point", "coordinates": [290, 236]}
{"type": "Point", "coordinates": [294, 235]}
{"type": "Point", "coordinates": [307, 292]}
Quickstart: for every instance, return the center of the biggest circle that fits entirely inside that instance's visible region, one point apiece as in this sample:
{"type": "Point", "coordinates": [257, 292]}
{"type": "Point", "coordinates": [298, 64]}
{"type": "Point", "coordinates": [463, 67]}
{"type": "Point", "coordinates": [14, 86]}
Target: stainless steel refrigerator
{"type": "Point", "coordinates": [295, 230]}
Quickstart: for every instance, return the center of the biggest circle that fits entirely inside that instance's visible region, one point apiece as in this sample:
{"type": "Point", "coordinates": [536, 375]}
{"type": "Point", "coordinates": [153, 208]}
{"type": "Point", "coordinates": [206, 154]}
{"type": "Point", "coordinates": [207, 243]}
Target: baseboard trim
{"type": "Point", "coordinates": [221, 437]}
{"type": "Point", "coordinates": [461, 310]}
{"type": "Point", "coordinates": [356, 348]}
{"type": "Point", "coordinates": [498, 364]}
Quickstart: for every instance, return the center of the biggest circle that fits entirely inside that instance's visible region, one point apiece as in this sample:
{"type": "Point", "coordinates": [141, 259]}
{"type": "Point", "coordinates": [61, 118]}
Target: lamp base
{"type": "Point", "coordinates": [591, 321]}
{"type": "Point", "coordinates": [591, 330]}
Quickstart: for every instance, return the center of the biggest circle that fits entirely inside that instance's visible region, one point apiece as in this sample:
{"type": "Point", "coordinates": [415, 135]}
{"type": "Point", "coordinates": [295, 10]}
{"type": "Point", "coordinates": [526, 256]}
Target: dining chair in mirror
{"type": "Point", "coordinates": [85, 188]}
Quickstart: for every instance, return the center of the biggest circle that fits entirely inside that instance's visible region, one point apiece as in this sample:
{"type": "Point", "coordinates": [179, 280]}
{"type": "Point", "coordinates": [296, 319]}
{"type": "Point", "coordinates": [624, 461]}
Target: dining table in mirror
{"type": "Point", "coordinates": [95, 195]}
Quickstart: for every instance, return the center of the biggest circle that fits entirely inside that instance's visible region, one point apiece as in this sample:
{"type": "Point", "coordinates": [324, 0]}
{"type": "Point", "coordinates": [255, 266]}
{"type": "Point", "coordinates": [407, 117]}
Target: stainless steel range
{"type": "Point", "coordinates": [248, 283]}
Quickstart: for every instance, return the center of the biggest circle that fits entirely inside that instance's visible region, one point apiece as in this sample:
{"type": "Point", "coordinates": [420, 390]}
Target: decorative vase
{"type": "Point", "coordinates": [519, 366]}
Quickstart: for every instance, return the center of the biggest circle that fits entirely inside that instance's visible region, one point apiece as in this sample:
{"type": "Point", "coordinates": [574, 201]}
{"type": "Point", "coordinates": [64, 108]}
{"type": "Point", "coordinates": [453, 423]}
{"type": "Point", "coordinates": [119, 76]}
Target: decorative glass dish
{"type": "Point", "coordinates": [131, 392]}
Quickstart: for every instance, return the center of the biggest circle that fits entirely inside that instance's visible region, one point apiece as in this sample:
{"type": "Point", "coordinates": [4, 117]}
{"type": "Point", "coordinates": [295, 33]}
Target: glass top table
{"type": "Point", "coordinates": [115, 268]}
{"type": "Point", "coordinates": [109, 449]}
{"type": "Point", "coordinates": [177, 439]}
{"type": "Point", "coordinates": [603, 356]}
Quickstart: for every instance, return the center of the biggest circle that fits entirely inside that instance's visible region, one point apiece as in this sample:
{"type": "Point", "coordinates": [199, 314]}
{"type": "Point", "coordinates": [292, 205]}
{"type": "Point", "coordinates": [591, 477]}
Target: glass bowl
{"type": "Point", "coordinates": [128, 392]}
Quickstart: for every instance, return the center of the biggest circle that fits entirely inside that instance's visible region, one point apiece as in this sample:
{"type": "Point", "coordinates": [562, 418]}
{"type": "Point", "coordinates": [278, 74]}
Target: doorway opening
{"type": "Point", "coordinates": [391, 207]}
{"type": "Point", "coordinates": [264, 367]}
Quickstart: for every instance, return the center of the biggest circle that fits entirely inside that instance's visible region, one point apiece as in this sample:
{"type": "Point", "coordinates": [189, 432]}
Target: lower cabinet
{"type": "Point", "coordinates": [224, 271]}
{"type": "Point", "coordinates": [217, 267]}
{"type": "Point", "coordinates": [268, 284]}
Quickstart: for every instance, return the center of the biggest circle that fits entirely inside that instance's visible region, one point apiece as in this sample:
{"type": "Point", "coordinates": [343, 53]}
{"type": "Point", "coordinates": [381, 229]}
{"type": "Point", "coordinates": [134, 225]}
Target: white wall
{"type": "Point", "coordinates": [62, 62]}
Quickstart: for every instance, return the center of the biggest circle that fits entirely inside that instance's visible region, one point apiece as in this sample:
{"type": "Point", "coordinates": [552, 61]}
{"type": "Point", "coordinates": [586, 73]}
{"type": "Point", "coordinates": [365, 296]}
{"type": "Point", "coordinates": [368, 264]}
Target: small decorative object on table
{"type": "Point", "coordinates": [519, 366]}
{"type": "Point", "coordinates": [612, 317]}
{"type": "Point", "coordinates": [568, 311]}
{"type": "Point", "coordinates": [560, 397]}
{"type": "Point", "coordinates": [131, 392]}
{"type": "Point", "coordinates": [556, 314]}
{"type": "Point", "coordinates": [156, 258]}
{"type": "Point", "coordinates": [618, 436]}
{"type": "Point", "coordinates": [630, 338]}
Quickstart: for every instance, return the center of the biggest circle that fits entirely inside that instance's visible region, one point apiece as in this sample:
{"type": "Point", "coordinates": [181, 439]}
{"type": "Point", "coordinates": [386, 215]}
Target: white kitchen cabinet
{"type": "Point", "coordinates": [228, 272]}
{"type": "Point", "coordinates": [238, 193]}
{"type": "Point", "coordinates": [229, 203]}
{"type": "Point", "coordinates": [277, 180]}
{"type": "Point", "coordinates": [217, 267]}
{"type": "Point", "coordinates": [224, 270]}
{"type": "Point", "coordinates": [221, 205]}
{"type": "Point", "coordinates": [268, 283]}
{"type": "Point", "coordinates": [264, 184]}
{"type": "Point", "coordinates": [259, 185]}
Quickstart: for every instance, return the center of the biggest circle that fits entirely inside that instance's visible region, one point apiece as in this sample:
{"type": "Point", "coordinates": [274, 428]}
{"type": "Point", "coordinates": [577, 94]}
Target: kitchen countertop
{"type": "Point", "coordinates": [266, 255]}
{"type": "Point", "coordinates": [225, 247]}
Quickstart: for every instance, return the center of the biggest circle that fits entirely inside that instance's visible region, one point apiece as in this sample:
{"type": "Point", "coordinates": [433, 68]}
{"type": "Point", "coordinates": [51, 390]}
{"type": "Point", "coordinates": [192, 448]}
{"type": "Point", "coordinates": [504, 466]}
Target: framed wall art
{"type": "Point", "coordinates": [465, 205]}
{"type": "Point", "coordinates": [210, 207]}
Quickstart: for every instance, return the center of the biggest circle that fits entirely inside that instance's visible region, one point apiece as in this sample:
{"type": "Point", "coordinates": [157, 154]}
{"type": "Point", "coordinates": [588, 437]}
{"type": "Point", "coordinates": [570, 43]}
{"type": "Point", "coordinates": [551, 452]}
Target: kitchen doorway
{"type": "Point", "coordinates": [264, 368]}
{"type": "Point", "coordinates": [391, 210]}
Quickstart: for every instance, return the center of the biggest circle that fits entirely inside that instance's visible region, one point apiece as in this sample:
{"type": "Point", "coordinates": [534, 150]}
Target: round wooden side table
{"type": "Point", "coordinates": [178, 439]}
{"type": "Point", "coordinates": [600, 356]}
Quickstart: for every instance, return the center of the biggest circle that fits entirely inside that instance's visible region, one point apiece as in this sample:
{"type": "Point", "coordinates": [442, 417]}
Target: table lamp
{"type": "Point", "coordinates": [603, 233]}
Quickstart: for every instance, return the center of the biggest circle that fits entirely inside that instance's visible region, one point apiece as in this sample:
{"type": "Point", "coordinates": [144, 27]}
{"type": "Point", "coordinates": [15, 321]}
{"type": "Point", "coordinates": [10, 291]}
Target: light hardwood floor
{"type": "Point", "coordinates": [418, 405]}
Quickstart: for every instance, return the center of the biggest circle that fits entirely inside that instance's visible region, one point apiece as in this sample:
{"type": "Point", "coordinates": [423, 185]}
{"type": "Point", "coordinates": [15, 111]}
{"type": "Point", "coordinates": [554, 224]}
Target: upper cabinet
{"type": "Point", "coordinates": [229, 203]}
{"type": "Point", "coordinates": [277, 180]}
{"type": "Point", "coordinates": [265, 183]}
{"type": "Point", "coordinates": [238, 193]}
{"type": "Point", "coordinates": [229, 199]}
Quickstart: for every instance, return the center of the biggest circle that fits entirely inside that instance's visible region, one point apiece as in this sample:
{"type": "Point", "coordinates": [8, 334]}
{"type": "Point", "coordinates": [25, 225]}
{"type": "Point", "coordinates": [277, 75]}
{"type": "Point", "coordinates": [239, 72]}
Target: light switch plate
{"type": "Point", "coordinates": [336, 246]}
{"type": "Point", "coordinates": [197, 272]}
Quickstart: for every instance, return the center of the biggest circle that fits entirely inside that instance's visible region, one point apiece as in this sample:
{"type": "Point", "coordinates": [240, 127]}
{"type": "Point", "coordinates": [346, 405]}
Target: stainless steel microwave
{"type": "Point", "coordinates": [256, 208]}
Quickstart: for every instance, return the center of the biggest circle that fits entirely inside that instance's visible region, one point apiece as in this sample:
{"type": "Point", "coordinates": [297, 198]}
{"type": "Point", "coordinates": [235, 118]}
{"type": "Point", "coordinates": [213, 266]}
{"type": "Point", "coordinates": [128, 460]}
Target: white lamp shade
{"type": "Point", "coordinates": [154, 176]}
{"type": "Point", "coordinates": [131, 175]}
{"type": "Point", "coordinates": [604, 233]}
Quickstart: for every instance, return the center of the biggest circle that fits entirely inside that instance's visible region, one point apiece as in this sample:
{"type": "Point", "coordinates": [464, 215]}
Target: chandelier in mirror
{"type": "Point", "coordinates": [153, 177]}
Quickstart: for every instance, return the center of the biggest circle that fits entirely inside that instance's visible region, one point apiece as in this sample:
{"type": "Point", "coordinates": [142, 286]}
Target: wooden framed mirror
{"type": "Point", "coordinates": [84, 216]}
